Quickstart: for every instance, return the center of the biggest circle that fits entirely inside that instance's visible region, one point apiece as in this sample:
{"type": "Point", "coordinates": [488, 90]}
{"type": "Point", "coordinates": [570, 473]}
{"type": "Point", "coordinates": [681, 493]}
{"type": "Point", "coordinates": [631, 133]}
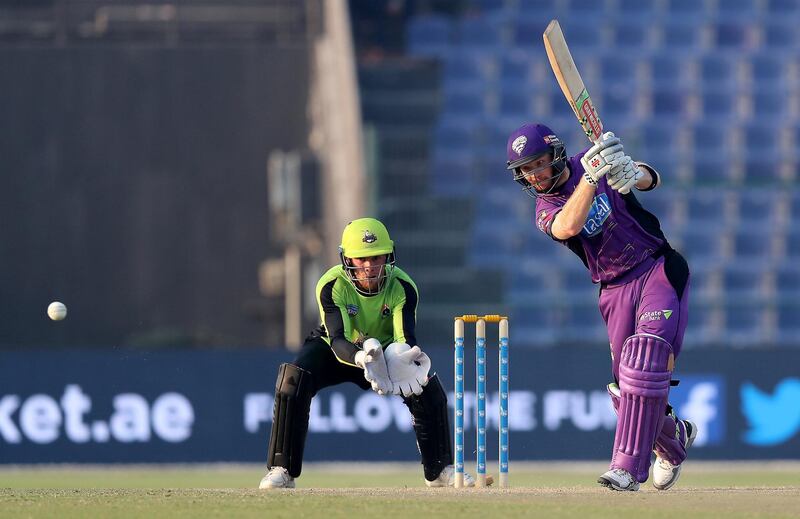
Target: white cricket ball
{"type": "Point", "coordinates": [56, 311]}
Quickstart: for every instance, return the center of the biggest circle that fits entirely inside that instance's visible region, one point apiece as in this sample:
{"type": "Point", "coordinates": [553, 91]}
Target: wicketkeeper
{"type": "Point", "coordinates": [585, 202]}
{"type": "Point", "coordinates": [367, 337]}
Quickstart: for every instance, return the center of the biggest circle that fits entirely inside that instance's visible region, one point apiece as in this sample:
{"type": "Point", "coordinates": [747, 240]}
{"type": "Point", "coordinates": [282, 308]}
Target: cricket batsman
{"type": "Point", "coordinates": [585, 203]}
{"type": "Point", "coordinates": [367, 309]}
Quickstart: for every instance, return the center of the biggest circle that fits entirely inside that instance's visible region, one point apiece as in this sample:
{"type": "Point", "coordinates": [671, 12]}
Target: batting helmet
{"type": "Point", "coordinates": [528, 143]}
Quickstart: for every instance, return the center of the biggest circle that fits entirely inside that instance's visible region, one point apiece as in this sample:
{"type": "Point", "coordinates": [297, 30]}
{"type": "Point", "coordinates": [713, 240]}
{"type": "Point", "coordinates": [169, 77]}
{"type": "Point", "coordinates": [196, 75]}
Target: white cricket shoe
{"type": "Point", "coordinates": [619, 479]}
{"type": "Point", "coordinates": [447, 478]}
{"type": "Point", "coordinates": [665, 474]}
{"type": "Point", "coordinates": [277, 477]}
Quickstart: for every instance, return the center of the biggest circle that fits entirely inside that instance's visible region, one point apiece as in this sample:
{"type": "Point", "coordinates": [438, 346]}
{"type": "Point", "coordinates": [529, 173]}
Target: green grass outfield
{"type": "Point", "coordinates": [389, 491]}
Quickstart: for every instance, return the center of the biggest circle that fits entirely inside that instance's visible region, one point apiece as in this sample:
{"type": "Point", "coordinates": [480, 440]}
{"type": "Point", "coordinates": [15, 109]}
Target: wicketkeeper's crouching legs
{"type": "Point", "coordinates": [432, 427]}
{"type": "Point", "coordinates": [293, 392]}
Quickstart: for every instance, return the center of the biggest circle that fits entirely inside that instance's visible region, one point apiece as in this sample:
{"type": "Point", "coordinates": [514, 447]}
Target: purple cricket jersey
{"type": "Point", "coordinates": [619, 234]}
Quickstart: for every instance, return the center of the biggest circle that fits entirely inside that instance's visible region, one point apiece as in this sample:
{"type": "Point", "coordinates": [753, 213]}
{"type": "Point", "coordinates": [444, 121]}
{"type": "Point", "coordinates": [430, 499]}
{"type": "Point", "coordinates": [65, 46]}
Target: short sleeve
{"type": "Point", "coordinates": [545, 216]}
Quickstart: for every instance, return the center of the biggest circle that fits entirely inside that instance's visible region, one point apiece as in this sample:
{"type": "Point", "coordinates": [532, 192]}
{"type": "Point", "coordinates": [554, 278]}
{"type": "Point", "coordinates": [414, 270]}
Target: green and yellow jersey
{"type": "Point", "coordinates": [348, 318]}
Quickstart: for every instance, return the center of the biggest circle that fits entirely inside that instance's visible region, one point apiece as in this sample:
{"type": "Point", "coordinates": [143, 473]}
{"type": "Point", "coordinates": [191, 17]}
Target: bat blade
{"type": "Point", "coordinates": [569, 79]}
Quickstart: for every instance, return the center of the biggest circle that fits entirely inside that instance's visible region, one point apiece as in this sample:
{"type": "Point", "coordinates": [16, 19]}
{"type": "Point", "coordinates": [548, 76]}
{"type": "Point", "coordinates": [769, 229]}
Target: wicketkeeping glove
{"type": "Point", "coordinates": [371, 359]}
{"type": "Point", "coordinates": [408, 368]}
{"type": "Point", "coordinates": [600, 158]}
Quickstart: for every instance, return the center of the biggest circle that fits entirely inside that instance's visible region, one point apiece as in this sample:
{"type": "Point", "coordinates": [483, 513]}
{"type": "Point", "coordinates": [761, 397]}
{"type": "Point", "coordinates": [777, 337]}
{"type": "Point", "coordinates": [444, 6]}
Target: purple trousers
{"type": "Point", "coordinates": [653, 298]}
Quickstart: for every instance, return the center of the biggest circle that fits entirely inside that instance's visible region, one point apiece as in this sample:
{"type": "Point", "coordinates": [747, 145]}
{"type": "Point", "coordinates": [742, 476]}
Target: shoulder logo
{"type": "Point", "coordinates": [519, 144]}
{"type": "Point", "coordinates": [369, 237]}
{"type": "Point", "coordinates": [352, 309]}
{"type": "Point", "coordinates": [541, 219]}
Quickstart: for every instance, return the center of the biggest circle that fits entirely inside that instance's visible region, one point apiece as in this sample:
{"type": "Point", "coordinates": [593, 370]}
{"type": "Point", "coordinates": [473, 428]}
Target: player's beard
{"type": "Point", "coordinates": [544, 185]}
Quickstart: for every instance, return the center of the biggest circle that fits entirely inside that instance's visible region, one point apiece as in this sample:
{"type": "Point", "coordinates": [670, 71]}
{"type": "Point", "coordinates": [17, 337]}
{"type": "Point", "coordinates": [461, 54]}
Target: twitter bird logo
{"type": "Point", "coordinates": [774, 418]}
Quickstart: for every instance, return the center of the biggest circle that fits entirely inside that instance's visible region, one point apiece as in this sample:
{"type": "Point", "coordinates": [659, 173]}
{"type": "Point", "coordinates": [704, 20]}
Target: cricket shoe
{"type": "Point", "coordinates": [447, 478]}
{"type": "Point", "coordinates": [619, 479]}
{"type": "Point", "coordinates": [277, 477]}
{"type": "Point", "coordinates": [665, 474]}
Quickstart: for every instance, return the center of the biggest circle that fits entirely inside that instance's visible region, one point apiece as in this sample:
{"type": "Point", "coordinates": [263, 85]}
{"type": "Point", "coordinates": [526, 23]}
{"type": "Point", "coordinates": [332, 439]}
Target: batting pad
{"type": "Point", "coordinates": [290, 414]}
{"type": "Point", "coordinates": [644, 379]}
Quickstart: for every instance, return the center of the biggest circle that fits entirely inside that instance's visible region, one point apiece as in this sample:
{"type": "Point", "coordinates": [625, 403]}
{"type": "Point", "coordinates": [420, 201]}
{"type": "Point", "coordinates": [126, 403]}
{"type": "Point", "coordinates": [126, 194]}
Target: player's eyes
{"type": "Point", "coordinates": [535, 168]}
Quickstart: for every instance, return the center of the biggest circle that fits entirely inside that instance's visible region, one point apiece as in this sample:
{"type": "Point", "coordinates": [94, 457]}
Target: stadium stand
{"type": "Point", "coordinates": [705, 94]}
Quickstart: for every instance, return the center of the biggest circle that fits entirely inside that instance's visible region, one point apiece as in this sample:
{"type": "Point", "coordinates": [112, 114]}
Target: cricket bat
{"type": "Point", "coordinates": [570, 81]}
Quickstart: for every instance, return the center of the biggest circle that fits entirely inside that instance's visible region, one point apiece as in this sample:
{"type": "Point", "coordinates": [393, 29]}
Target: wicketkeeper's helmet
{"type": "Point", "coordinates": [364, 238]}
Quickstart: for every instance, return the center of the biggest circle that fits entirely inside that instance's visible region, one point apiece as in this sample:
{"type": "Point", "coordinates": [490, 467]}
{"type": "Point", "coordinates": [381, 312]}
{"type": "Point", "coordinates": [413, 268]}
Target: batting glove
{"type": "Point", "coordinates": [624, 179]}
{"type": "Point", "coordinates": [600, 158]}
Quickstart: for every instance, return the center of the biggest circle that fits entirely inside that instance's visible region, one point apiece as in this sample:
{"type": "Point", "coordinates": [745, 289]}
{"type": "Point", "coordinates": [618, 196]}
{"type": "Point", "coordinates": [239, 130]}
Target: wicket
{"type": "Point", "coordinates": [480, 392]}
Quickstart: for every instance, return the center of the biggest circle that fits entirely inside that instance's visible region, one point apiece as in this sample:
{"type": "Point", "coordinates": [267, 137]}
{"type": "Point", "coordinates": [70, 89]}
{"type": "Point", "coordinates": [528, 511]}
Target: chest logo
{"type": "Point", "coordinates": [598, 214]}
{"type": "Point", "coordinates": [352, 310]}
{"type": "Point", "coordinates": [385, 311]}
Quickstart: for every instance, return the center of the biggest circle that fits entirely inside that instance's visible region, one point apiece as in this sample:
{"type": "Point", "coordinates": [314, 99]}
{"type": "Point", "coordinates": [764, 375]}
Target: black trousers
{"type": "Point", "coordinates": [317, 357]}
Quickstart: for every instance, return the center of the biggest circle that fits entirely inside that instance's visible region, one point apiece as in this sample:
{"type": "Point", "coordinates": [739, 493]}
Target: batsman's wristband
{"type": "Point", "coordinates": [653, 173]}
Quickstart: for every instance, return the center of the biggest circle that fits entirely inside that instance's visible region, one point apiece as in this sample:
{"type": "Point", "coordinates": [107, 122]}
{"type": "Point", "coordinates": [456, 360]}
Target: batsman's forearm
{"type": "Point", "coordinates": [650, 180]}
{"type": "Point", "coordinates": [571, 219]}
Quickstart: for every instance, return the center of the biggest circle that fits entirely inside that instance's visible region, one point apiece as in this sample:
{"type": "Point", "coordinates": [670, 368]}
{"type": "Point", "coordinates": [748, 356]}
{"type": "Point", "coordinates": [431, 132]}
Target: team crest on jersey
{"type": "Point", "coordinates": [598, 214]}
{"type": "Point", "coordinates": [369, 237]}
{"type": "Point", "coordinates": [352, 309]}
{"type": "Point", "coordinates": [385, 311]}
{"type": "Point", "coordinates": [519, 144]}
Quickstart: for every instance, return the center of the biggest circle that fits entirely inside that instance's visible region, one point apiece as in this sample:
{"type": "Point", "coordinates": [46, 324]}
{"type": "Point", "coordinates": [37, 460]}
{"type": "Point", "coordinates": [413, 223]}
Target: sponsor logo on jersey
{"type": "Point", "coordinates": [369, 237]}
{"type": "Point", "coordinates": [598, 214]}
{"type": "Point", "coordinates": [352, 309]}
{"type": "Point", "coordinates": [519, 144]}
{"type": "Point", "coordinates": [385, 311]}
{"type": "Point", "coordinates": [656, 315]}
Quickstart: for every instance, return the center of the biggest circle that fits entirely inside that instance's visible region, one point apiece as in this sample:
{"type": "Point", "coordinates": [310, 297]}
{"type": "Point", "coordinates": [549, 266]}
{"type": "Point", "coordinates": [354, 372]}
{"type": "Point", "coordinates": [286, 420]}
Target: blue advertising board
{"type": "Point", "coordinates": [202, 406]}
